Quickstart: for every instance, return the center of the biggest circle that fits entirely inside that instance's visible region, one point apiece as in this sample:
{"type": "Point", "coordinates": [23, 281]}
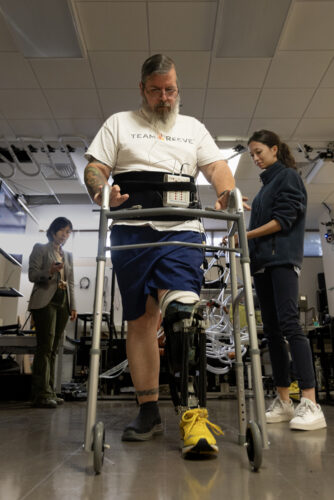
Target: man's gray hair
{"type": "Point", "coordinates": [158, 63]}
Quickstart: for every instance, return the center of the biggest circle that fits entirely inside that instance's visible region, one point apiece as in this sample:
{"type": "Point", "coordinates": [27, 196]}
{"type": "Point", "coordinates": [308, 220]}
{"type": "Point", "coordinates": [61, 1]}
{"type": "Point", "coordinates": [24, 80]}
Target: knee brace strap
{"type": "Point", "coordinates": [182, 296]}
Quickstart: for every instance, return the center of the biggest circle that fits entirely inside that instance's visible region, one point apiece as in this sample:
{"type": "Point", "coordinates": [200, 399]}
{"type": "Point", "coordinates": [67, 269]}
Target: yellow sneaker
{"type": "Point", "coordinates": [294, 391]}
{"type": "Point", "coordinates": [196, 432]}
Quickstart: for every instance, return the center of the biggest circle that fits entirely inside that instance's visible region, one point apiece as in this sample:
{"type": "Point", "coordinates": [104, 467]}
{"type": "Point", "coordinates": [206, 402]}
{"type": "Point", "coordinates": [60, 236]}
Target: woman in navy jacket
{"type": "Point", "coordinates": [276, 237]}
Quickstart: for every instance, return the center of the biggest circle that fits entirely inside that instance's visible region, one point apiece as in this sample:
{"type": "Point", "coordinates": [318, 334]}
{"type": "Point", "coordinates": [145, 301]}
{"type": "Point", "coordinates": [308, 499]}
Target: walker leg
{"type": "Point", "coordinates": [97, 320]}
{"type": "Point", "coordinates": [93, 377]}
{"type": "Point", "coordinates": [253, 343]}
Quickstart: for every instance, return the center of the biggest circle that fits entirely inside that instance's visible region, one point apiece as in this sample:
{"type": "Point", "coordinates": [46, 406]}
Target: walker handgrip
{"type": "Point", "coordinates": [105, 197]}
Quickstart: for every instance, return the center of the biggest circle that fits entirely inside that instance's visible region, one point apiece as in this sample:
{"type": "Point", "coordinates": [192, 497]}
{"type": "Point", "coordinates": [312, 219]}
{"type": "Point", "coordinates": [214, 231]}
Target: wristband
{"type": "Point", "coordinates": [224, 192]}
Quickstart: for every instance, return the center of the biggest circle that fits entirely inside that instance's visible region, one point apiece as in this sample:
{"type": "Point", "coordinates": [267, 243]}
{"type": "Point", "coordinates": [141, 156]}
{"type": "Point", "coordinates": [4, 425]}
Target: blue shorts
{"type": "Point", "coordinates": [142, 271]}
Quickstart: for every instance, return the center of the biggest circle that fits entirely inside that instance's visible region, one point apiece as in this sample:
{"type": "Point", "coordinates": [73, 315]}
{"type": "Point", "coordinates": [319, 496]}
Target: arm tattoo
{"type": "Point", "coordinates": [93, 178]}
{"type": "Point", "coordinates": [148, 392]}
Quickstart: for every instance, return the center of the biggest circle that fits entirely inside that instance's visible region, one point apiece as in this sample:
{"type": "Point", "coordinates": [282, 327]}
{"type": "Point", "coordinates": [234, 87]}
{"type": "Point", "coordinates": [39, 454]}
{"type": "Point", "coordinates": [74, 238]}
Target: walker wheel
{"type": "Point", "coordinates": [254, 445]}
{"type": "Point", "coordinates": [98, 446]}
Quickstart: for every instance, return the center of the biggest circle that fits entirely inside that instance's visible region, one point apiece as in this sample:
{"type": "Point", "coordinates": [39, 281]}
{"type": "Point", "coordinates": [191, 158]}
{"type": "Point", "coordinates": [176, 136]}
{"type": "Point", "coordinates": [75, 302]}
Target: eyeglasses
{"type": "Point", "coordinates": [169, 91]}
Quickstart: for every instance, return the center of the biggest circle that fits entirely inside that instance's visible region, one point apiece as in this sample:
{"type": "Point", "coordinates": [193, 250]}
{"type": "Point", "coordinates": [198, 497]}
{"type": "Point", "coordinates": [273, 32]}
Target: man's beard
{"type": "Point", "coordinates": [164, 119]}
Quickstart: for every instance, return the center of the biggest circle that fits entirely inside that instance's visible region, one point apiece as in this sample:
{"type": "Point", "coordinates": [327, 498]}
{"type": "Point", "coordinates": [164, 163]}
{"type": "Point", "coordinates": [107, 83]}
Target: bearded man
{"type": "Point", "coordinates": [143, 150]}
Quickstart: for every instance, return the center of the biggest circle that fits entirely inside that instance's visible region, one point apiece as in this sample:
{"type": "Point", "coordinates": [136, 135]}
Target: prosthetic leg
{"type": "Point", "coordinates": [184, 325]}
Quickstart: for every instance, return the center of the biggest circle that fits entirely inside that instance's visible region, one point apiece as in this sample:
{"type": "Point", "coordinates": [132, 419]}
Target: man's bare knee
{"type": "Point", "coordinates": [150, 316]}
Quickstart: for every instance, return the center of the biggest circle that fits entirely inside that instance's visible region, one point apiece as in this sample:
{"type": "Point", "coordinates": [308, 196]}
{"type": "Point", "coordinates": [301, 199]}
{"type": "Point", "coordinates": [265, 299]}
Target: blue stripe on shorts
{"type": "Point", "coordinates": [142, 271]}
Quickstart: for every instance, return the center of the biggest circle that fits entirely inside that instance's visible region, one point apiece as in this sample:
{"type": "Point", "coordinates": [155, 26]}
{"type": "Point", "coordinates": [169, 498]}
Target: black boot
{"type": "Point", "coordinates": [145, 425]}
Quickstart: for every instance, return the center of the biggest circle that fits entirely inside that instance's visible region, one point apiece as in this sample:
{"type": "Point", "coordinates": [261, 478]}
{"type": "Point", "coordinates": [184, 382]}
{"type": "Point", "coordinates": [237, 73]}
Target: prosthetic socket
{"type": "Point", "coordinates": [184, 325]}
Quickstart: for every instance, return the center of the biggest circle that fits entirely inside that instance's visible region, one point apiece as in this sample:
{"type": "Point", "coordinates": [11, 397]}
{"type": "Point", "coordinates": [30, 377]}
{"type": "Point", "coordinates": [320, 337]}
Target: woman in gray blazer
{"type": "Point", "coordinates": [51, 303]}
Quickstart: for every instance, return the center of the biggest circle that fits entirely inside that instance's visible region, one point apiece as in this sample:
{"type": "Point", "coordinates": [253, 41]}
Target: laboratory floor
{"type": "Point", "coordinates": [41, 458]}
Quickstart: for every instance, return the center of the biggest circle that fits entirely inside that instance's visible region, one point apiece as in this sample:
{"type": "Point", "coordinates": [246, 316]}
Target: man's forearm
{"type": "Point", "coordinates": [94, 177]}
{"type": "Point", "coordinates": [220, 176]}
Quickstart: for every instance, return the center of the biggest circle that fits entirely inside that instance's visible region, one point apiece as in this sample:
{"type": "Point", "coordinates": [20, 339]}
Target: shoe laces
{"type": "Point", "coordinates": [277, 402]}
{"type": "Point", "coordinates": [303, 407]}
{"type": "Point", "coordinates": [200, 417]}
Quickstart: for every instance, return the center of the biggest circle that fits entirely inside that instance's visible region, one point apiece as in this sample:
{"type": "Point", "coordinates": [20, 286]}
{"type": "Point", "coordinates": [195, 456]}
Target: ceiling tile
{"type": "Point", "coordinates": [84, 127]}
{"type": "Point", "coordinates": [292, 69]}
{"type": "Point", "coordinates": [6, 171]}
{"type": "Point", "coordinates": [70, 103]}
{"type": "Point", "coordinates": [228, 128]}
{"type": "Point", "coordinates": [185, 26]}
{"type": "Point", "coordinates": [117, 69]}
{"type": "Point", "coordinates": [315, 128]}
{"type": "Point", "coordinates": [326, 172]}
{"type": "Point", "coordinates": [192, 68]}
{"type": "Point", "coordinates": [17, 74]}
{"type": "Point", "coordinates": [282, 103]}
{"type": "Point", "coordinates": [329, 198]}
{"type": "Point", "coordinates": [309, 27]}
{"type": "Point", "coordinates": [23, 104]}
{"type": "Point", "coordinates": [284, 127]}
{"type": "Point", "coordinates": [109, 25]}
{"type": "Point", "coordinates": [63, 73]}
{"type": "Point", "coordinates": [6, 40]}
{"type": "Point", "coordinates": [230, 103]}
{"type": "Point", "coordinates": [116, 100]}
{"type": "Point", "coordinates": [67, 186]}
{"type": "Point", "coordinates": [318, 191]}
{"type": "Point", "coordinates": [328, 80]}
{"type": "Point", "coordinates": [20, 174]}
{"type": "Point", "coordinates": [5, 129]}
{"type": "Point", "coordinates": [238, 73]}
{"type": "Point", "coordinates": [322, 104]}
{"type": "Point", "coordinates": [317, 188]}
{"type": "Point", "coordinates": [31, 185]}
{"type": "Point", "coordinates": [192, 102]}
{"type": "Point", "coordinates": [34, 128]}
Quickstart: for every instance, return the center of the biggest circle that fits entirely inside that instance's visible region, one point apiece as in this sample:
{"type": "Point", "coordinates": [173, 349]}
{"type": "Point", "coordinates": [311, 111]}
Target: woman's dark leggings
{"type": "Point", "coordinates": [277, 291]}
{"type": "Point", "coordinates": [50, 322]}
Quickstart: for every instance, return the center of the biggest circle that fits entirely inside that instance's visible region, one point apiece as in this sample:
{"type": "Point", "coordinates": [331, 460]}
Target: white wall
{"type": "Point", "coordinates": [328, 258]}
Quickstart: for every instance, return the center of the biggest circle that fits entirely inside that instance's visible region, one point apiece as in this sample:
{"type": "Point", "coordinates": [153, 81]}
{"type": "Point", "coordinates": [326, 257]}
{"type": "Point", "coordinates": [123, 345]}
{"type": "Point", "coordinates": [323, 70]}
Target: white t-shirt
{"type": "Point", "coordinates": [128, 142]}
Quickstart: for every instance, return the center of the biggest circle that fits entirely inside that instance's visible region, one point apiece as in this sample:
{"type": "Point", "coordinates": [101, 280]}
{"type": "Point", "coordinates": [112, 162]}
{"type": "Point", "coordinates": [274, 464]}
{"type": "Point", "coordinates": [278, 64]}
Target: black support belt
{"type": "Point", "coordinates": [147, 188]}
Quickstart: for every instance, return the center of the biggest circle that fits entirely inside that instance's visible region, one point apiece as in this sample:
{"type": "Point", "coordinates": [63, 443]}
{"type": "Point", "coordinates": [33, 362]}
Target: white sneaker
{"type": "Point", "coordinates": [308, 416]}
{"type": "Point", "coordinates": [279, 411]}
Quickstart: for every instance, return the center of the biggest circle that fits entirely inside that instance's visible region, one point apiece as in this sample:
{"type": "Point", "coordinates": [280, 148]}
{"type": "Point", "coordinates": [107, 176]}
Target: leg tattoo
{"type": "Point", "coordinates": [148, 392]}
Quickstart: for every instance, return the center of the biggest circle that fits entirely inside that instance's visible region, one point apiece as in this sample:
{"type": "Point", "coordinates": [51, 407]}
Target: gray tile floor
{"type": "Point", "coordinates": [41, 458]}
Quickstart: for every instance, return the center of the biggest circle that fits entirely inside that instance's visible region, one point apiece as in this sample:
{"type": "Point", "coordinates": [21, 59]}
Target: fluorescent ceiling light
{"type": "Point", "coordinates": [42, 28]}
{"type": "Point", "coordinates": [232, 163]}
{"type": "Point", "coordinates": [314, 171]}
{"type": "Point", "coordinates": [251, 28]}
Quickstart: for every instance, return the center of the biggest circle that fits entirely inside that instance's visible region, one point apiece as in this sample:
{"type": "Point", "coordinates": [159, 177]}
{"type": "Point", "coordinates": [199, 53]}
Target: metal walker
{"type": "Point", "coordinates": [252, 434]}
